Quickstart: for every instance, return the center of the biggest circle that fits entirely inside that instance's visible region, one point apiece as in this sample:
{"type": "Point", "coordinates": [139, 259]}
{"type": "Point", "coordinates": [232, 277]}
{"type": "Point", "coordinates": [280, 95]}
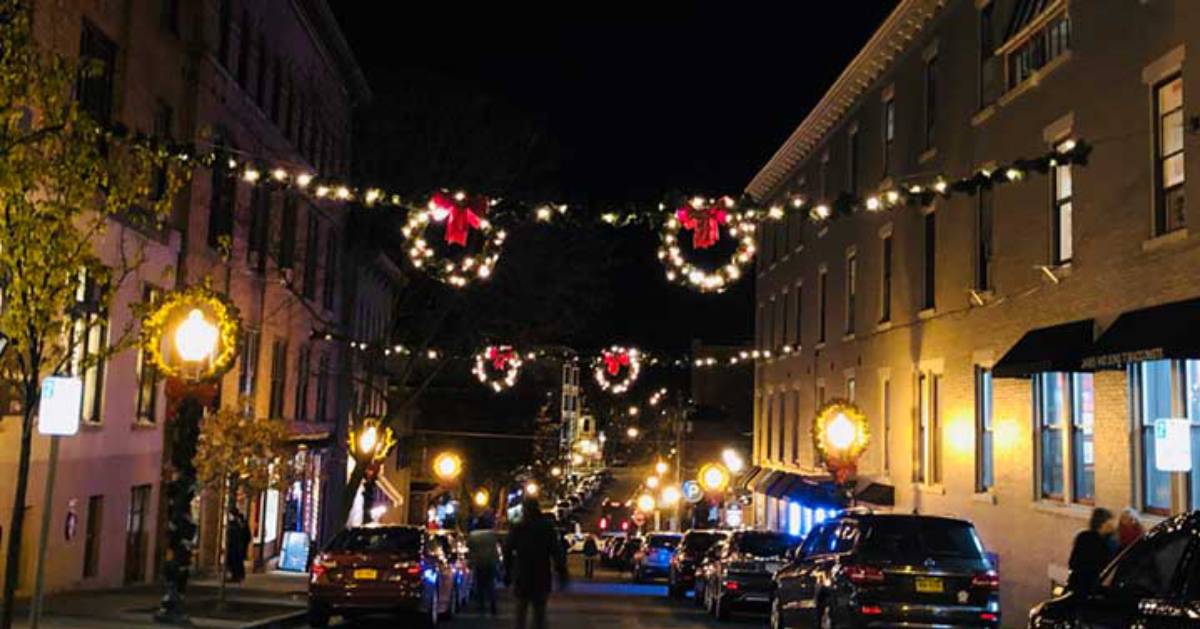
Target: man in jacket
{"type": "Point", "coordinates": [532, 553]}
{"type": "Point", "coordinates": [484, 547]}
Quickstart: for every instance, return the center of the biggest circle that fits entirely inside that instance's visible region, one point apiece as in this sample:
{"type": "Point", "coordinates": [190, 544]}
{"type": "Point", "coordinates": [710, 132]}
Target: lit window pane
{"type": "Point", "coordinates": [1172, 132]}
{"type": "Point", "coordinates": [1062, 182]}
{"type": "Point", "coordinates": [1065, 247]}
{"type": "Point", "coordinates": [1170, 96]}
{"type": "Point", "coordinates": [1173, 171]}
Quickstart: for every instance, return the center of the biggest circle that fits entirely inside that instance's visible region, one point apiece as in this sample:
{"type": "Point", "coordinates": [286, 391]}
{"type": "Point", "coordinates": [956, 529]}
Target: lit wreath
{"type": "Point", "coordinates": [841, 421]}
{"type": "Point", "coordinates": [706, 219]}
{"type": "Point", "coordinates": [461, 214]}
{"type": "Point", "coordinates": [501, 359]}
{"type": "Point", "coordinates": [164, 316]}
{"type": "Point", "coordinates": [611, 362]}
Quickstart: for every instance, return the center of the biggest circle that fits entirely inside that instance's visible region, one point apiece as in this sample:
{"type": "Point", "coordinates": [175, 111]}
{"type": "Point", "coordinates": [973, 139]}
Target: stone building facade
{"type": "Point", "coordinates": [1012, 348]}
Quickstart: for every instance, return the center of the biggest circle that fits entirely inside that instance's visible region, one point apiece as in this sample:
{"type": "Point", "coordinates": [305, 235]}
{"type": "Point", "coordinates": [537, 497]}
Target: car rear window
{"type": "Point", "coordinates": [663, 541]}
{"type": "Point", "coordinates": [381, 540]}
{"type": "Point", "coordinates": [700, 542]}
{"type": "Point", "coordinates": [765, 544]}
{"type": "Point", "coordinates": [916, 539]}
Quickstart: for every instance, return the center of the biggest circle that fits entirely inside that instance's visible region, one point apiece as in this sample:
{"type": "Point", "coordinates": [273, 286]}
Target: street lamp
{"type": "Point", "coordinates": [447, 466]}
{"type": "Point", "coordinates": [532, 488]}
{"type": "Point", "coordinates": [652, 482]}
{"type": "Point", "coordinates": [714, 477]}
{"type": "Point", "coordinates": [370, 446]}
{"type": "Point", "coordinates": [632, 432]}
{"type": "Point", "coordinates": [671, 496]}
{"type": "Point", "coordinates": [482, 497]}
{"type": "Point", "coordinates": [556, 471]}
{"type": "Point", "coordinates": [645, 503]}
{"type": "Point", "coordinates": [661, 468]}
{"type": "Point", "coordinates": [633, 411]}
{"type": "Point", "coordinates": [733, 460]}
{"type": "Point", "coordinates": [196, 338]}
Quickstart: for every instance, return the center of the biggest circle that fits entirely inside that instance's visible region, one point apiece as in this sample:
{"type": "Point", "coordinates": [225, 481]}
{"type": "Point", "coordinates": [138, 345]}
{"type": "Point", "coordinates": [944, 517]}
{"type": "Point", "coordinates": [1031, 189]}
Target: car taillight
{"type": "Point", "coordinates": [624, 526]}
{"type": "Point", "coordinates": [871, 610]}
{"type": "Point", "coordinates": [603, 523]}
{"type": "Point", "coordinates": [989, 580]}
{"type": "Point", "coordinates": [732, 586]}
{"type": "Point", "coordinates": [320, 566]}
{"type": "Point", "coordinates": [862, 575]}
{"type": "Point", "coordinates": [989, 617]}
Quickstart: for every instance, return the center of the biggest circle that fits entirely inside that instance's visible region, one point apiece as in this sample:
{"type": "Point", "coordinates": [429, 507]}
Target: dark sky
{"type": "Point", "coordinates": [640, 101]}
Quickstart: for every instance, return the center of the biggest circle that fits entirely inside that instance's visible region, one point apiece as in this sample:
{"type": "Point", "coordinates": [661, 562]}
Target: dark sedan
{"type": "Point", "coordinates": [865, 570]}
{"type": "Point", "coordinates": [741, 576]}
{"type": "Point", "coordinates": [691, 552]}
{"type": "Point", "coordinates": [1154, 583]}
{"type": "Point", "coordinates": [381, 569]}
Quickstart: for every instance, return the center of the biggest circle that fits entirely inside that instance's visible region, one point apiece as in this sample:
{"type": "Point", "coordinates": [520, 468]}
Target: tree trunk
{"type": "Point", "coordinates": [12, 566]}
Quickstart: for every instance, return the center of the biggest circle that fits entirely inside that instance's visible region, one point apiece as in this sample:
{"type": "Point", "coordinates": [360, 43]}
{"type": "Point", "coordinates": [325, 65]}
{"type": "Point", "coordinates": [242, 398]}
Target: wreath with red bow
{"type": "Point", "coordinates": [498, 367]}
{"type": "Point", "coordinates": [706, 219]}
{"type": "Point", "coordinates": [461, 215]}
{"type": "Point", "coordinates": [617, 368]}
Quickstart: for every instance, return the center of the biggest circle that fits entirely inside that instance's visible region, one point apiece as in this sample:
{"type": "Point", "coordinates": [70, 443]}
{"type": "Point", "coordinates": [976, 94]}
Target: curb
{"type": "Point", "coordinates": [282, 621]}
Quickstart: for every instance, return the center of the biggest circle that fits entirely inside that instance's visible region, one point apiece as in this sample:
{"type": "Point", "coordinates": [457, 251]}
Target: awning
{"type": "Point", "coordinates": [1056, 348]}
{"type": "Point", "coordinates": [765, 480]}
{"type": "Point", "coordinates": [879, 494]}
{"type": "Point", "coordinates": [1164, 331]}
{"type": "Point", "coordinates": [749, 481]}
{"type": "Point", "coordinates": [813, 491]}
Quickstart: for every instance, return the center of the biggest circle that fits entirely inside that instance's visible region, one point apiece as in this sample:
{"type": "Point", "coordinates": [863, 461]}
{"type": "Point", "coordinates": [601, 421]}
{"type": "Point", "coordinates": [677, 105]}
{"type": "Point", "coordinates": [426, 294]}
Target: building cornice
{"type": "Point", "coordinates": [890, 40]}
{"type": "Point", "coordinates": [334, 41]}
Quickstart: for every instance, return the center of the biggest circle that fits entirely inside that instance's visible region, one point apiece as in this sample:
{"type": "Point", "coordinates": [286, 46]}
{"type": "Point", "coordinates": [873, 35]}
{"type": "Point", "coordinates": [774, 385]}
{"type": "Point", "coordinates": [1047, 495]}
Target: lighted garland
{"type": "Point", "coordinates": [610, 364]}
{"type": "Point", "coordinates": [461, 214]}
{"type": "Point", "coordinates": [840, 433]}
{"type": "Point", "coordinates": [168, 312]}
{"type": "Point", "coordinates": [498, 359]}
{"type": "Point", "coordinates": [706, 219]}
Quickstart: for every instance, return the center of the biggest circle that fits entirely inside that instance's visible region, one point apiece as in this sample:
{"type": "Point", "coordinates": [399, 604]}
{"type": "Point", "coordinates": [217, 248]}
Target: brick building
{"type": "Point", "coordinates": [266, 81]}
{"type": "Point", "coordinates": [1011, 348]}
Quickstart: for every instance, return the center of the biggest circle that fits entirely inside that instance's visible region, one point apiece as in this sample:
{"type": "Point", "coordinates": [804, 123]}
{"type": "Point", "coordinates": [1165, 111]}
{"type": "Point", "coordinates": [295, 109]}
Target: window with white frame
{"type": "Point", "coordinates": [822, 303]}
{"type": "Point", "coordinates": [984, 235]}
{"type": "Point", "coordinates": [852, 161]}
{"type": "Point", "coordinates": [931, 93]}
{"type": "Point", "coordinates": [885, 401]}
{"type": "Point", "coordinates": [851, 289]}
{"type": "Point", "coordinates": [929, 270]}
{"type": "Point", "coordinates": [927, 446]}
{"type": "Point", "coordinates": [1063, 211]}
{"type": "Point", "coordinates": [1038, 48]}
{"type": "Point", "coordinates": [1165, 389]}
{"type": "Point", "coordinates": [1065, 415]}
{"type": "Point", "coordinates": [769, 421]}
{"type": "Point", "coordinates": [781, 416]}
{"type": "Point", "coordinates": [984, 431]}
{"type": "Point", "coordinates": [89, 344]}
{"type": "Point", "coordinates": [889, 134]}
{"type": "Point", "coordinates": [794, 422]}
{"type": "Point", "coordinates": [798, 315]}
{"type": "Point", "coordinates": [147, 374]}
{"type": "Point", "coordinates": [1169, 144]}
{"type": "Point", "coordinates": [885, 282]}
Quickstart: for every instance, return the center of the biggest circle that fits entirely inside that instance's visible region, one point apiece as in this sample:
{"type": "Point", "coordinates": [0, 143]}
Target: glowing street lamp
{"type": "Point", "coordinates": [841, 433]}
{"type": "Point", "coordinates": [645, 503]}
{"type": "Point", "coordinates": [671, 496]}
{"type": "Point", "coordinates": [633, 411]}
{"type": "Point", "coordinates": [661, 468]}
{"type": "Point", "coordinates": [367, 440]}
{"type": "Point", "coordinates": [632, 432]}
{"type": "Point", "coordinates": [482, 497]}
{"type": "Point", "coordinates": [733, 460]}
{"type": "Point", "coordinates": [714, 477]}
{"type": "Point", "coordinates": [652, 482]}
{"type": "Point", "coordinates": [447, 466]}
{"type": "Point", "coordinates": [556, 471]}
{"type": "Point", "coordinates": [576, 459]}
{"type": "Point", "coordinates": [532, 488]}
{"type": "Point", "coordinates": [196, 338]}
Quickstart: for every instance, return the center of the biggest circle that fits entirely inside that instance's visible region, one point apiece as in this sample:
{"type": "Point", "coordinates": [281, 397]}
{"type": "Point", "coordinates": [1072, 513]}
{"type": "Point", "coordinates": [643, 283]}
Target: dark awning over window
{"type": "Point", "coordinates": [750, 481]}
{"type": "Point", "coordinates": [1165, 331]}
{"type": "Point", "coordinates": [812, 491]}
{"type": "Point", "coordinates": [878, 494]}
{"type": "Point", "coordinates": [1056, 348]}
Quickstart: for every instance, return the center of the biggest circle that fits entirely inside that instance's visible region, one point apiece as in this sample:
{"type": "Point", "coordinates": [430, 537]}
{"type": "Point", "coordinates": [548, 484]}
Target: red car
{"type": "Point", "coordinates": [378, 569]}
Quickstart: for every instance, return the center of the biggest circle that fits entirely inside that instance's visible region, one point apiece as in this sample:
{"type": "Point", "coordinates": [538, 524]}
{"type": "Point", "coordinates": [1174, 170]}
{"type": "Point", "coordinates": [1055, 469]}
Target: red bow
{"type": "Point", "coordinates": [705, 223]}
{"type": "Point", "coordinates": [614, 362]}
{"type": "Point", "coordinates": [500, 358]}
{"type": "Point", "coordinates": [461, 213]}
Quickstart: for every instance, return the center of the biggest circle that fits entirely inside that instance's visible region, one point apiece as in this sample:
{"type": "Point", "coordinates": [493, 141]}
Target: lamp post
{"type": "Point", "coordinates": [370, 446]}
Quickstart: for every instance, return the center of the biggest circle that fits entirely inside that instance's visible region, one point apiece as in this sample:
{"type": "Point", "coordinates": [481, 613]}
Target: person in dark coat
{"type": "Point", "coordinates": [237, 545]}
{"type": "Point", "coordinates": [1092, 551]}
{"type": "Point", "coordinates": [533, 553]}
{"type": "Point", "coordinates": [590, 551]}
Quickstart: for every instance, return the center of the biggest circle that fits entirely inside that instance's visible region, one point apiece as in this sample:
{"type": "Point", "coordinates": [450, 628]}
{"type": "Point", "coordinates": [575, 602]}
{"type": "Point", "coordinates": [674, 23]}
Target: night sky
{"type": "Point", "coordinates": [640, 102]}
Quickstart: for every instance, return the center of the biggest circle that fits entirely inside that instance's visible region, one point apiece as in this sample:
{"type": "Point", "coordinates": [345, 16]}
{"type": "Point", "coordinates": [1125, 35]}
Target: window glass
{"type": "Point", "coordinates": [1149, 568]}
{"type": "Point", "coordinates": [983, 429]}
{"type": "Point", "coordinates": [1154, 393]}
{"type": "Point", "coordinates": [1052, 407]}
{"type": "Point", "coordinates": [763, 544]}
{"type": "Point", "coordinates": [915, 539]}
{"type": "Point", "coordinates": [1192, 403]}
{"type": "Point", "coordinates": [1083, 455]}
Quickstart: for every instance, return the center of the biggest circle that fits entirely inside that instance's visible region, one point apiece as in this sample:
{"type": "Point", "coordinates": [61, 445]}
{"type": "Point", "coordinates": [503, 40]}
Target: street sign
{"type": "Point", "coordinates": [294, 557]}
{"type": "Point", "coordinates": [1172, 445]}
{"type": "Point", "coordinates": [692, 492]}
{"type": "Point", "coordinates": [62, 398]}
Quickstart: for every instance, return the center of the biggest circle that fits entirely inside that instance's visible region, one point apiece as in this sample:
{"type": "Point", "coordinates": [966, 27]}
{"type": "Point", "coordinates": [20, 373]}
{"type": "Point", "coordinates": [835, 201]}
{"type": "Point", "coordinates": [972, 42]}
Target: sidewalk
{"type": "Point", "coordinates": [266, 600]}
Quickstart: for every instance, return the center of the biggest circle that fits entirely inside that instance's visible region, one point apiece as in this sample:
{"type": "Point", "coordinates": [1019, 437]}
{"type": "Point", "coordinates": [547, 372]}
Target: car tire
{"type": "Point", "coordinates": [721, 609]}
{"type": "Point", "coordinates": [318, 617]}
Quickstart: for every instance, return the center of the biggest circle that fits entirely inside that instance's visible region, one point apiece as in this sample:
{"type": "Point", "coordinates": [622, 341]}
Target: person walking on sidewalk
{"type": "Point", "coordinates": [1092, 551]}
{"type": "Point", "coordinates": [1129, 528]}
{"type": "Point", "coordinates": [484, 547]}
{"type": "Point", "coordinates": [237, 545]}
{"type": "Point", "coordinates": [532, 553]}
{"type": "Point", "coordinates": [590, 551]}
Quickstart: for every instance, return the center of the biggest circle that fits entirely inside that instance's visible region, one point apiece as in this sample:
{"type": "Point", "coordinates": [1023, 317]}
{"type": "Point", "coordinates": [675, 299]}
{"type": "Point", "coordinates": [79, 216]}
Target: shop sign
{"type": "Point", "coordinates": [294, 557]}
{"type": "Point", "coordinates": [58, 411]}
{"type": "Point", "coordinates": [1172, 445]}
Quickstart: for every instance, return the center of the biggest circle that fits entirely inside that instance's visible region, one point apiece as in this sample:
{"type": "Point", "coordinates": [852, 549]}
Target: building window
{"type": "Point", "coordinates": [89, 345]}
{"type": "Point", "coordinates": [798, 317]}
{"type": "Point", "coordinates": [1155, 398]}
{"type": "Point", "coordinates": [1169, 170]}
{"type": "Point", "coordinates": [770, 423]}
{"type": "Point", "coordinates": [794, 422]}
{"type": "Point", "coordinates": [1065, 409]}
{"type": "Point", "coordinates": [279, 351]}
{"type": "Point", "coordinates": [822, 303]}
{"type": "Point", "coordinates": [287, 232]}
{"type": "Point", "coordinates": [302, 375]}
{"type": "Point", "coordinates": [929, 284]}
{"type": "Point", "coordinates": [885, 400]}
{"type": "Point", "coordinates": [329, 291]}
{"type": "Point", "coordinates": [927, 457]}
{"type": "Point", "coordinates": [930, 101]}
{"type": "Point", "coordinates": [984, 435]}
{"type": "Point", "coordinates": [260, 90]}
{"type": "Point", "coordinates": [135, 534]}
{"type": "Point", "coordinates": [223, 196]}
{"type": "Point", "coordinates": [226, 26]}
{"type": "Point", "coordinates": [277, 91]}
{"type": "Point", "coordinates": [95, 87]}
{"type": "Point", "coordinates": [260, 227]}
{"type": "Point", "coordinates": [147, 374]}
{"type": "Point", "coordinates": [312, 239]}
{"type": "Point", "coordinates": [322, 387]}
{"type": "Point", "coordinates": [851, 393]}
{"type": "Point", "coordinates": [243, 64]}
{"type": "Point", "coordinates": [851, 290]}
{"type": "Point", "coordinates": [1064, 236]}
{"type": "Point", "coordinates": [824, 178]}
{"type": "Point", "coordinates": [248, 367]}
{"type": "Point", "coordinates": [763, 332]}
{"type": "Point", "coordinates": [162, 132]}
{"type": "Point", "coordinates": [889, 134]}
{"type": "Point", "coordinates": [885, 283]}
{"type": "Point", "coordinates": [984, 238]}
{"type": "Point", "coordinates": [852, 162]}
{"type": "Point", "coordinates": [987, 55]}
{"type": "Point", "coordinates": [769, 334]}
{"type": "Point", "coordinates": [1042, 47]}
{"type": "Point", "coordinates": [93, 532]}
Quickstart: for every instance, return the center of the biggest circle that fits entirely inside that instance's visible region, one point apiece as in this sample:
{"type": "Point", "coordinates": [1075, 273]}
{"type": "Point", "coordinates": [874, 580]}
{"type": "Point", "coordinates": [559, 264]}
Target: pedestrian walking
{"type": "Point", "coordinates": [484, 547]}
{"type": "Point", "coordinates": [1129, 528]}
{"type": "Point", "coordinates": [590, 552]}
{"type": "Point", "coordinates": [533, 554]}
{"type": "Point", "coordinates": [237, 545]}
{"type": "Point", "coordinates": [1092, 551]}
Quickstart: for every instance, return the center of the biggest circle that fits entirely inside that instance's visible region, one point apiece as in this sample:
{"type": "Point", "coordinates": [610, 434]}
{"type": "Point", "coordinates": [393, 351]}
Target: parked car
{"type": "Point", "coordinates": [381, 569]}
{"type": "Point", "coordinates": [1153, 583]}
{"type": "Point", "coordinates": [611, 553]}
{"type": "Point", "coordinates": [628, 550]}
{"type": "Point", "coordinates": [682, 574]}
{"type": "Point", "coordinates": [709, 562]}
{"type": "Point", "coordinates": [577, 542]}
{"type": "Point", "coordinates": [888, 570]}
{"type": "Point", "coordinates": [653, 561]}
{"type": "Point", "coordinates": [454, 546]}
{"type": "Point", "coordinates": [741, 577]}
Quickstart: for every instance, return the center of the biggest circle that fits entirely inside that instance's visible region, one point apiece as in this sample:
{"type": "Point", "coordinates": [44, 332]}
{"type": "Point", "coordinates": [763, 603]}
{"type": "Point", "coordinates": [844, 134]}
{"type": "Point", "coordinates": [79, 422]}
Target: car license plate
{"type": "Point", "coordinates": [366, 574]}
{"type": "Point", "coordinates": [930, 585]}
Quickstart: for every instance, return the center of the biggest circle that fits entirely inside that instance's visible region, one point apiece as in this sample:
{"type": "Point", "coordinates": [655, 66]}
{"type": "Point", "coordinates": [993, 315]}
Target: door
{"type": "Point", "coordinates": [1140, 586]}
{"type": "Point", "coordinates": [816, 563]}
{"type": "Point", "coordinates": [791, 592]}
{"type": "Point", "coordinates": [135, 534]}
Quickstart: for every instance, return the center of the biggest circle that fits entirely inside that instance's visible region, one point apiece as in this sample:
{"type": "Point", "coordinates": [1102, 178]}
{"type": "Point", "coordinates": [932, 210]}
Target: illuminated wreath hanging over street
{"type": "Point", "coordinates": [706, 218]}
{"type": "Point", "coordinates": [192, 334]}
{"type": "Point", "coordinates": [461, 214]}
{"type": "Point", "coordinates": [501, 360]}
{"type": "Point", "coordinates": [612, 363]}
{"type": "Point", "coordinates": [841, 433]}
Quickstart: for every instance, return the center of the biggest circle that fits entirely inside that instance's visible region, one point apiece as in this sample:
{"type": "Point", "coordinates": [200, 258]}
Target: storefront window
{"type": "Point", "coordinates": [1192, 399]}
{"type": "Point", "coordinates": [1053, 417]}
{"type": "Point", "coordinates": [1153, 384]}
{"type": "Point", "coordinates": [1083, 454]}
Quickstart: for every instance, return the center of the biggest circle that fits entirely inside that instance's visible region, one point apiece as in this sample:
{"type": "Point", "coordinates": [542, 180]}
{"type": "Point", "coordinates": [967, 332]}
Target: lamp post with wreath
{"type": "Point", "coordinates": [840, 433]}
{"type": "Point", "coordinates": [370, 444]}
{"type": "Point", "coordinates": [191, 336]}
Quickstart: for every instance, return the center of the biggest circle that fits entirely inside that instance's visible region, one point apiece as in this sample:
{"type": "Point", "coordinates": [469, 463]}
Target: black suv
{"type": "Point", "coordinates": [691, 551]}
{"type": "Point", "coordinates": [868, 570]}
{"type": "Point", "coordinates": [1154, 583]}
{"type": "Point", "coordinates": [740, 576]}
